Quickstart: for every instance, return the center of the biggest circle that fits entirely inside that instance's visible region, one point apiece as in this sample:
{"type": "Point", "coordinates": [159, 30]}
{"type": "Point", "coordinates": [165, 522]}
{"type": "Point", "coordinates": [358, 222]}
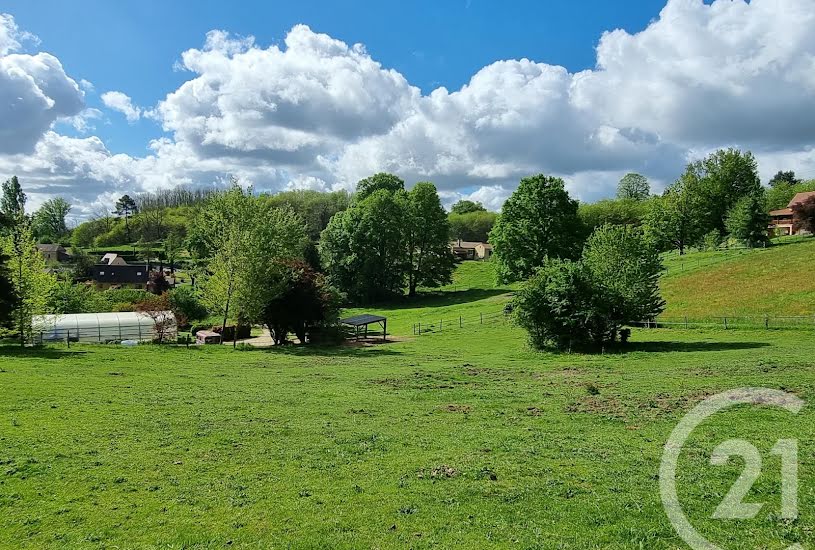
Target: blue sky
{"type": "Point", "coordinates": [468, 94]}
{"type": "Point", "coordinates": [132, 46]}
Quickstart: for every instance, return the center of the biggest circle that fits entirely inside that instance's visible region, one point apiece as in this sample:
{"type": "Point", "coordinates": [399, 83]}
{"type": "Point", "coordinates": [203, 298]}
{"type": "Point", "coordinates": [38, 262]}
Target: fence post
{"type": "Point", "coordinates": [420, 328]}
{"type": "Point", "coordinates": [686, 322]}
{"type": "Point", "coordinates": [725, 323]}
{"type": "Point", "coordinates": [460, 322]}
{"type": "Point", "coordinates": [482, 318]}
{"type": "Point", "coordinates": [766, 321]}
{"type": "Point", "coordinates": [441, 324]}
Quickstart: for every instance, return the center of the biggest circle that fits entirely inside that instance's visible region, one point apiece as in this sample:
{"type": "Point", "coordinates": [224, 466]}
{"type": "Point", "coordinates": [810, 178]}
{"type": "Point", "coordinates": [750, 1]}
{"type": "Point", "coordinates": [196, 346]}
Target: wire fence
{"type": "Point", "coordinates": [726, 322]}
{"type": "Point", "coordinates": [462, 322]}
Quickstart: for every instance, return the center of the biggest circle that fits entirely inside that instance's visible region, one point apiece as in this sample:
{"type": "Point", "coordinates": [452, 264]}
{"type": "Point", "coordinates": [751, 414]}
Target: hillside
{"type": "Point", "coordinates": [776, 281]}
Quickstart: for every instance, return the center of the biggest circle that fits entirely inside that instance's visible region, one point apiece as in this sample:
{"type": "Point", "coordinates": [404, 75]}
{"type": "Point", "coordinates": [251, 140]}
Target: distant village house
{"type": "Point", "coordinates": [470, 250]}
{"type": "Point", "coordinates": [53, 253]}
{"type": "Point", "coordinates": [781, 221]}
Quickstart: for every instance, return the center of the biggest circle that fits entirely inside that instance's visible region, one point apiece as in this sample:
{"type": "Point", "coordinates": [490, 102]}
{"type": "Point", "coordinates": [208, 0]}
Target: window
{"type": "Point", "coordinates": [101, 273]}
{"type": "Point", "coordinates": [138, 273]}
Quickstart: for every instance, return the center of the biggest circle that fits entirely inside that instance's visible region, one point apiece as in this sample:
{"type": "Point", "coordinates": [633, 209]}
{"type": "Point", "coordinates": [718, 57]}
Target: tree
{"type": "Point", "coordinates": [31, 282]}
{"type": "Point", "coordinates": [538, 221]}
{"type": "Point", "coordinates": [472, 226]}
{"type": "Point", "coordinates": [239, 236]}
{"type": "Point", "coordinates": [12, 202]}
{"type": "Point", "coordinates": [302, 301]}
{"type": "Point", "coordinates": [803, 215]}
{"type": "Point", "coordinates": [159, 310]}
{"type": "Point", "coordinates": [782, 178]}
{"type": "Point", "coordinates": [157, 283]}
{"type": "Point", "coordinates": [624, 266]}
{"type": "Point", "coordinates": [49, 220]}
{"type": "Point", "coordinates": [634, 187]}
{"type": "Point", "coordinates": [585, 302]}
{"type": "Point", "coordinates": [186, 301]}
{"type": "Point", "coordinates": [314, 207]}
{"type": "Point", "coordinates": [126, 208]}
{"type": "Point", "coordinates": [364, 249]}
{"type": "Point", "coordinates": [725, 177]}
{"type": "Point", "coordinates": [8, 298]}
{"type": "Point", "coordinates": [377, 182]}
{"type": "Point", "coordinates": [747, 221]}
{"type": "Point", "coordinates": [465, 207]}
{"type": "Point", "coordinates": [430, 260]}
{"type": "Point", "coordinates": [172, 244]}
{"type": "Point", "coordinates": [614, 212]}
{"type": "Point", "coordinates": [677, 218]}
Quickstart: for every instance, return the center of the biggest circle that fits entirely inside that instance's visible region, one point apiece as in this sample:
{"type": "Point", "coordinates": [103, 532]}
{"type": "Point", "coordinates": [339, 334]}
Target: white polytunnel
{"type": "Point", "coordinates": [102, 327]}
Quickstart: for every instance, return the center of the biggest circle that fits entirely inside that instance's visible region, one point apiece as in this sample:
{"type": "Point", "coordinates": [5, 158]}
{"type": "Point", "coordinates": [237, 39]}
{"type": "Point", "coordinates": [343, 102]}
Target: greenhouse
{"type": "Point", "coordinates": [102, 327]}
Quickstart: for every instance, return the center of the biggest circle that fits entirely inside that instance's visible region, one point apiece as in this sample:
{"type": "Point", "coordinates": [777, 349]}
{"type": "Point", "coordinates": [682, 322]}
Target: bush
{"type": "Point", "coordinates": [573, 304]}
{"type": "Point", "coordinates": [184, 299]}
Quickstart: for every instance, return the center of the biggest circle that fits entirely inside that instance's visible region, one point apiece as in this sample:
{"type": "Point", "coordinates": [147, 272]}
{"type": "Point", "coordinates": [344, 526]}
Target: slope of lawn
{"type": "Point", "coordinates": [460, 439]}
{"type": "Point", "coordinates": [776, 281]}
{"type": "Point", "coordinates": [472, 294]}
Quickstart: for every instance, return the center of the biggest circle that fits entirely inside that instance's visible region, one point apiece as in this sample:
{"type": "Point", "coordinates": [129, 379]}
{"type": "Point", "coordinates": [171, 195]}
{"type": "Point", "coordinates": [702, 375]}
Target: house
{"type": "Point", "coordinates": [111, 258]}
{"type": "Point", "coordinates": [53, 253]}
{"type": "Point", "coordinates": [471, 250]}
{"type": "Point", "coordinates": [781, 221]}
{"type": "Point", "coordinates": [118, 275]}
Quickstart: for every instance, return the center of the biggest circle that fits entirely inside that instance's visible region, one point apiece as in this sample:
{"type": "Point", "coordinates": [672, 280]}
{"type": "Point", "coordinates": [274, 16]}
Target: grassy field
{"type": "Point", "coordinates": [465, 438]}
{"type": "Point", "coordinates": [775, 281]}
{"type": "Point", "coordinates": [461, 437]}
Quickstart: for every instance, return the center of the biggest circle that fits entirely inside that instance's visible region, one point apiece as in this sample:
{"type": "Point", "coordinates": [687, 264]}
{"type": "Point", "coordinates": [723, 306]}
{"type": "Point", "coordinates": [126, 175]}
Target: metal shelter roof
{"type": "Point", "coordinates": [364, 319]}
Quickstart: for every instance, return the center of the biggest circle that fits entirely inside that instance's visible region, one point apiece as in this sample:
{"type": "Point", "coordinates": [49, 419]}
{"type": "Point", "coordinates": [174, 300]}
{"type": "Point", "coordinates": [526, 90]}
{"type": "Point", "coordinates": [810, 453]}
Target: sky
{"type": "Point", "coordinates": [102, 98]}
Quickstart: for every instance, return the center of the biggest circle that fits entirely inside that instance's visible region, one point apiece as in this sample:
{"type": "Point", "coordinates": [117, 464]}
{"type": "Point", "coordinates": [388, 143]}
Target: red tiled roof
{"type": "Point", "coordinates": [800, 197]}
{"type": "Point", "coordinates": [782, 212]}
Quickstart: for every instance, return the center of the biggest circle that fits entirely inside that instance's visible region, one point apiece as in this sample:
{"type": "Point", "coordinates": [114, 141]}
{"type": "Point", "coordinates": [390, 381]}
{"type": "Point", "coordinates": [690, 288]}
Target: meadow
{"type": "Point", "coordinates": [462, 437]}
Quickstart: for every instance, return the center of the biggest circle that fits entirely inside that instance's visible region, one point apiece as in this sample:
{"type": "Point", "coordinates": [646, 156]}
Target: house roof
{"type": "Point", "coordinates": [468, 244]}
{"type": "Point", "coordinates": [120, 274]}
{"type": "Point", "coordinates": [50, 248]}
{"type": "Point", "coordinates": [782, 212]}
{"type": "Point", "coordinates": [111, 258]}
{"type": "Point", "coordinates": [800, 197]}
{"type": "Point", "coordinates": [364, 319]}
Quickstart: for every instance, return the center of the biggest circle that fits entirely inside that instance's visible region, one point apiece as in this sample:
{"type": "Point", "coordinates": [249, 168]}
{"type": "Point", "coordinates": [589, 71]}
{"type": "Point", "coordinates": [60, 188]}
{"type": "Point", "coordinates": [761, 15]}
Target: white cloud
{"type": "Point", "coordinates": [11, 37]}
{"type": "Point", "coordinates": [121, 102]}
{"type": "Point", "coordinates": [317, 113]}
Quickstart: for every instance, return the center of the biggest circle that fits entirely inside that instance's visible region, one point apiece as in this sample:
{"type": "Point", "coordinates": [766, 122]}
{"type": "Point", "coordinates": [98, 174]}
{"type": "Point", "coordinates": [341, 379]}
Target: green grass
{"type": "Point", "coordinates": [465, 438]}
{"type": "Point", "coordinates": [775, 281]}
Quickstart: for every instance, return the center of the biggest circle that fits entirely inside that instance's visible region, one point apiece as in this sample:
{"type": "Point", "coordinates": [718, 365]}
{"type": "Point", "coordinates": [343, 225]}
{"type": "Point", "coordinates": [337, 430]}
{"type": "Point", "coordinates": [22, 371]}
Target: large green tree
{"type": "Point", "coordinates": [633, 186]}
{"type": "Point", "coordinates": [49, 220]}
{"type": "Point", "coordinates": [379, 182]}
{"type": "Point", "coordinates": [316, 208]}
{"type": "Point", "coordinates": [538, 221]}
{"type": "Point", "coordinates": [784, 178]}
{"type": "Point", "coordinates": [747, 221]}
{"type": "Point", "coordinates": [677, 219]}
{"type": "Point", "coordinates": [12, 201]}
{"type": "Point", "coordinates": [465, 206]}
{"type": "Point", "coordinates": [31, 281]}
{"type": "Point", "coordinates": [614, 212]}
{"type": "Point", "coordinates": [363, 249]}
{"type": "Point", "coordinates": [725, 177]}
{"type": "Point", "coordinates": [125, 208]}
{"type": "Point", "coordinates": [430, 260]}
{"type": "Point", "coordinates": [238, 237]}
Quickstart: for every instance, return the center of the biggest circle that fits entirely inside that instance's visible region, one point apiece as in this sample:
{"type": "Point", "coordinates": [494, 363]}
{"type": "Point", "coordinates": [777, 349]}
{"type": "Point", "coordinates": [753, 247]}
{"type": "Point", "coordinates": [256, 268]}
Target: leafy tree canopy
{"type": "Point", "coordinates": [465, 207]}
{"type": "Point", "coordinates": [538, 221]}
{"type": "Point", "coordinates": [379, 182]}
{"type": "Point", "coordinates": [634, 187]}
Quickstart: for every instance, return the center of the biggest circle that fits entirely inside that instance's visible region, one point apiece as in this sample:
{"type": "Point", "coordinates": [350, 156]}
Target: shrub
{"type": "Point", "coordinates": [184, 299]}
{"type": "Point", "coordinates": [584, 303]}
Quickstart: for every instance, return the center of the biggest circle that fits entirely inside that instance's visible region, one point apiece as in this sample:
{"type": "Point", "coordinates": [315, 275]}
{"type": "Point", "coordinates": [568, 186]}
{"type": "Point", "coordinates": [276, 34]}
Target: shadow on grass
{"type": "Point", "coordinates": [38, 352]}
{"type": "Point", "coordinates": [441, 298]}
{"type": "Point", "coordinates": [378, 350]}
{"type": "Point", "coordinates": [689, 346]}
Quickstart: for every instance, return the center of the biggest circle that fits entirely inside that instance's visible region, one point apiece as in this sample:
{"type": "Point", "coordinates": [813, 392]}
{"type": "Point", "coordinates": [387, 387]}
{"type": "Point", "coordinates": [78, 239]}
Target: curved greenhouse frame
{"type": "Point", "coordinates": [101, 327]}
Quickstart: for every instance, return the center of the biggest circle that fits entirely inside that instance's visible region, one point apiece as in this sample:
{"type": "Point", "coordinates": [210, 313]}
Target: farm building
{"type": "Point", "coordinates": [101, 327]}
{"type": "Point", "coordinates": [469, 250]}
{"type": "Point", "coordinates": [781, 221]}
